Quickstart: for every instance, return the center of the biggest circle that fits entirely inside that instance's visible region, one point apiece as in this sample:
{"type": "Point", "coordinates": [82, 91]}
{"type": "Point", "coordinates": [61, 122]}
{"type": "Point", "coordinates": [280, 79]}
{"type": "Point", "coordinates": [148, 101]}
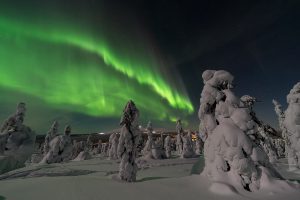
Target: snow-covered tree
{"type": "Point", "coordinates": [157, 148]}
{"type": "Point", "coordinates": [265, 132]}
{"type": "Point", "coordinates": [113, 146]}
{"type": "Point", "coordinates": [281, 116]}
{"type": "Point", "coordinates": [179, 128]}
{"type": "Point", "coordinates": [128, 141]}
{"type": "Point", "coordinates": [167, 146]}
{"type": "Point", "coordinates": [266, 142]}
{"type": "Point", "coordinates": [179, 141]}
{"type": "Point", "coordinates": [61, 148]}
{"type": "Point", "coordinates": [232, 151]}
{"type": "Point", "coordinates": [66, 145]}
{"type": "Point", "coordinates": [188, 150]}
{"type": "Point", "coordinates": [199, 146]}
{"type": "Point", "coordinates": [78, 146]}
{"type": "Point", "coordinates": [89, 143]}
{"type": "Point", "coordinates": [104, 150]}
{"type": "Point", "coordinates": [83, 155]}
{"type": "Point", "coordinates": [291, 127]}
{"type": "Point", "coordinates": [85, 150]}
{"type": "Point", "coordinates": [75, 149]}
{"type": "Point", "coordinates": [49, 136]}
{"type": "Point", "coordinates": [16, 141]}
{"type": "Point", "coordinates": [98, 148]}
{"type": "Point", "coordinates": [110, 140]}
{"type": "Point", "coordinates": [147, 151]}
{"type": "Point", "coordinates": [153, 149]}
{"type": "Point", "coordinates": [280, 147]}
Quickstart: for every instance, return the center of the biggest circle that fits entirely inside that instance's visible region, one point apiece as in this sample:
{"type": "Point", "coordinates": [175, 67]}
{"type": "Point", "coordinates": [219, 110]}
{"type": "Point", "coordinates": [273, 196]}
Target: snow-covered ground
{"type": "Point", "coordinates": [95, 179]}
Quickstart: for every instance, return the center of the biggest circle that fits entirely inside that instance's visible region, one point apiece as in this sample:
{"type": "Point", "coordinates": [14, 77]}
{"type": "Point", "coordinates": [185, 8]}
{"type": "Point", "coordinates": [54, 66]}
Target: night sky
{"type": "Point", "coordinates": [78, 62]}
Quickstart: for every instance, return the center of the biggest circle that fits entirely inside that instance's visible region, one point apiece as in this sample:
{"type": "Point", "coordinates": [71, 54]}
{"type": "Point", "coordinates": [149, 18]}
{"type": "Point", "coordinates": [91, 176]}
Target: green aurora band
{"type": "Point", "coordinates": [71, 69]}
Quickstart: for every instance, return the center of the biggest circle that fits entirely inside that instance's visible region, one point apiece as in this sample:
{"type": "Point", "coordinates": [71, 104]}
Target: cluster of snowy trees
{"type": "Point", "coordinates": [154, 149]}
{"type": "Point", "coordinates": [289, 123]}
{"type": "Point", "coordinates": [237, 148]}
{"type": "Point", "coordinates": [57, 148]}
{"type": "Point", "coordinates": [16, 141]}
{"type": "Point", "coordinates": [164, 147]}
{"type": "Point", "coordinates": [60, 148]}
{"type": "Point", "coordinates": [184, 143]}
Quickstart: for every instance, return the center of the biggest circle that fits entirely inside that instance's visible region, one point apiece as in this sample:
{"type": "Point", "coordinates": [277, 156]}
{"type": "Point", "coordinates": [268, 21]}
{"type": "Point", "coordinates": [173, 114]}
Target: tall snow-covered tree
{"type": "Point", "coordinates": [291, 127]}
{"type": "Point", "coordinates": [179, 141]}
{"type": "Point", "coordinates": [16, 141]}
{"type": "Point", "coordinates": [232, 151]}
{"type": "Point", "coordinates": [167, 145]}
{"type": "Point", "coordinates": [49, 136]}
{"type": "Point", "coordinates": [113, 146]}
{"type": "Point", "coordinates": [61, 148]}
{"type": "Point", "coordinates": [147, 150]}
{"type": "Point", "coordinates": [128, 141]}
{"type": "Point", "coordinates": [187, 150]}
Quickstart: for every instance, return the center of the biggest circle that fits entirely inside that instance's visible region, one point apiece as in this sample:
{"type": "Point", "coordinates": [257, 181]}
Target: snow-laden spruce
{"type": "Point", "coordinates": [167, 146]}
{"type": "Point", "coordinates": [52, 133]}
{"type": "Point", "coordinates": [89, 144]}
{"type": "Point", "coordinates": [289, 122]}
{"type": "Point", "coordinates": [232, 151]}
{"type": "Point", "coordinates": [281, 116]}
{"type": "Point", "coordinates": [61, 148]}
{"type": "Point", "coordinates": [265, 133]}
{"type": "Point", "coordinates": [280, 147]}
{"type": "Point", "coordinates": [153, 149]}
{"type": "Point", "coordinates": [113, 146]}
{"type": "Point", "coordinates": [78, 146]}
{"type": "Point", "coordinates": [85, 148]}
{"type": "Point", "coordinates": [179, 141]}
{"type": "Point", "coordinates": [281, 144]}
{"type": "Point", "coordinates": [97, 149]}
{"type": "Point", "coordinates": [128, 141]}
{"type": "Point", "coordinates": [157, 148]}
{"type": "Point", "coordinates": [199, 145]}
{"type": "Point", "coordinates": [66, 145]}
{"type": "Point", "coordinates": [16, 141]}
{"type": "Point", "coordinates": [147, 150]}
{"type": "Point", "coordinates": [104, 149]}
{"type": "Point", "coordinates": [187, 149]}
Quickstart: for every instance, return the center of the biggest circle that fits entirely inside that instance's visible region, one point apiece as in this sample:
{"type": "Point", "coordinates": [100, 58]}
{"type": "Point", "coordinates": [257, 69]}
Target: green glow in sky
{"type": "Point", "coordinates": [72, 69]}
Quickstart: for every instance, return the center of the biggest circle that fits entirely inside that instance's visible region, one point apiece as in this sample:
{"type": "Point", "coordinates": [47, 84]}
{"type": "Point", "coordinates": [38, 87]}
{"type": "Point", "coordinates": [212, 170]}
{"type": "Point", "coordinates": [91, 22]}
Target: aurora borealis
{"type": "Point", "coordinates": [74, 68]}
{"type": "Point", "coordinates": [80, 61]}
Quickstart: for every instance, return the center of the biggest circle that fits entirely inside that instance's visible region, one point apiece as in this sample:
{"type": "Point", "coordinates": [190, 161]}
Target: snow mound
{"type": "Point", "coordinates": [83, 155]}
{"type": "Point", "coordinates": [222, 189]}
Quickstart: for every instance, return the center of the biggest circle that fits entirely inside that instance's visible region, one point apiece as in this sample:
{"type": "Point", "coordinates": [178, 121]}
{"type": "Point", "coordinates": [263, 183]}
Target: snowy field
{"type": "Point", "coordinates": [95, 179]}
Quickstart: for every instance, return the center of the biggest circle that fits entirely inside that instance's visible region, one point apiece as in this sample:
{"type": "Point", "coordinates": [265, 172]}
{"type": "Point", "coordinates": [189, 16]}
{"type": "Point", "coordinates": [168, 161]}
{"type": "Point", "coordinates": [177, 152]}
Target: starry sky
{"type": "Point", "coordinates": [80, 61]}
